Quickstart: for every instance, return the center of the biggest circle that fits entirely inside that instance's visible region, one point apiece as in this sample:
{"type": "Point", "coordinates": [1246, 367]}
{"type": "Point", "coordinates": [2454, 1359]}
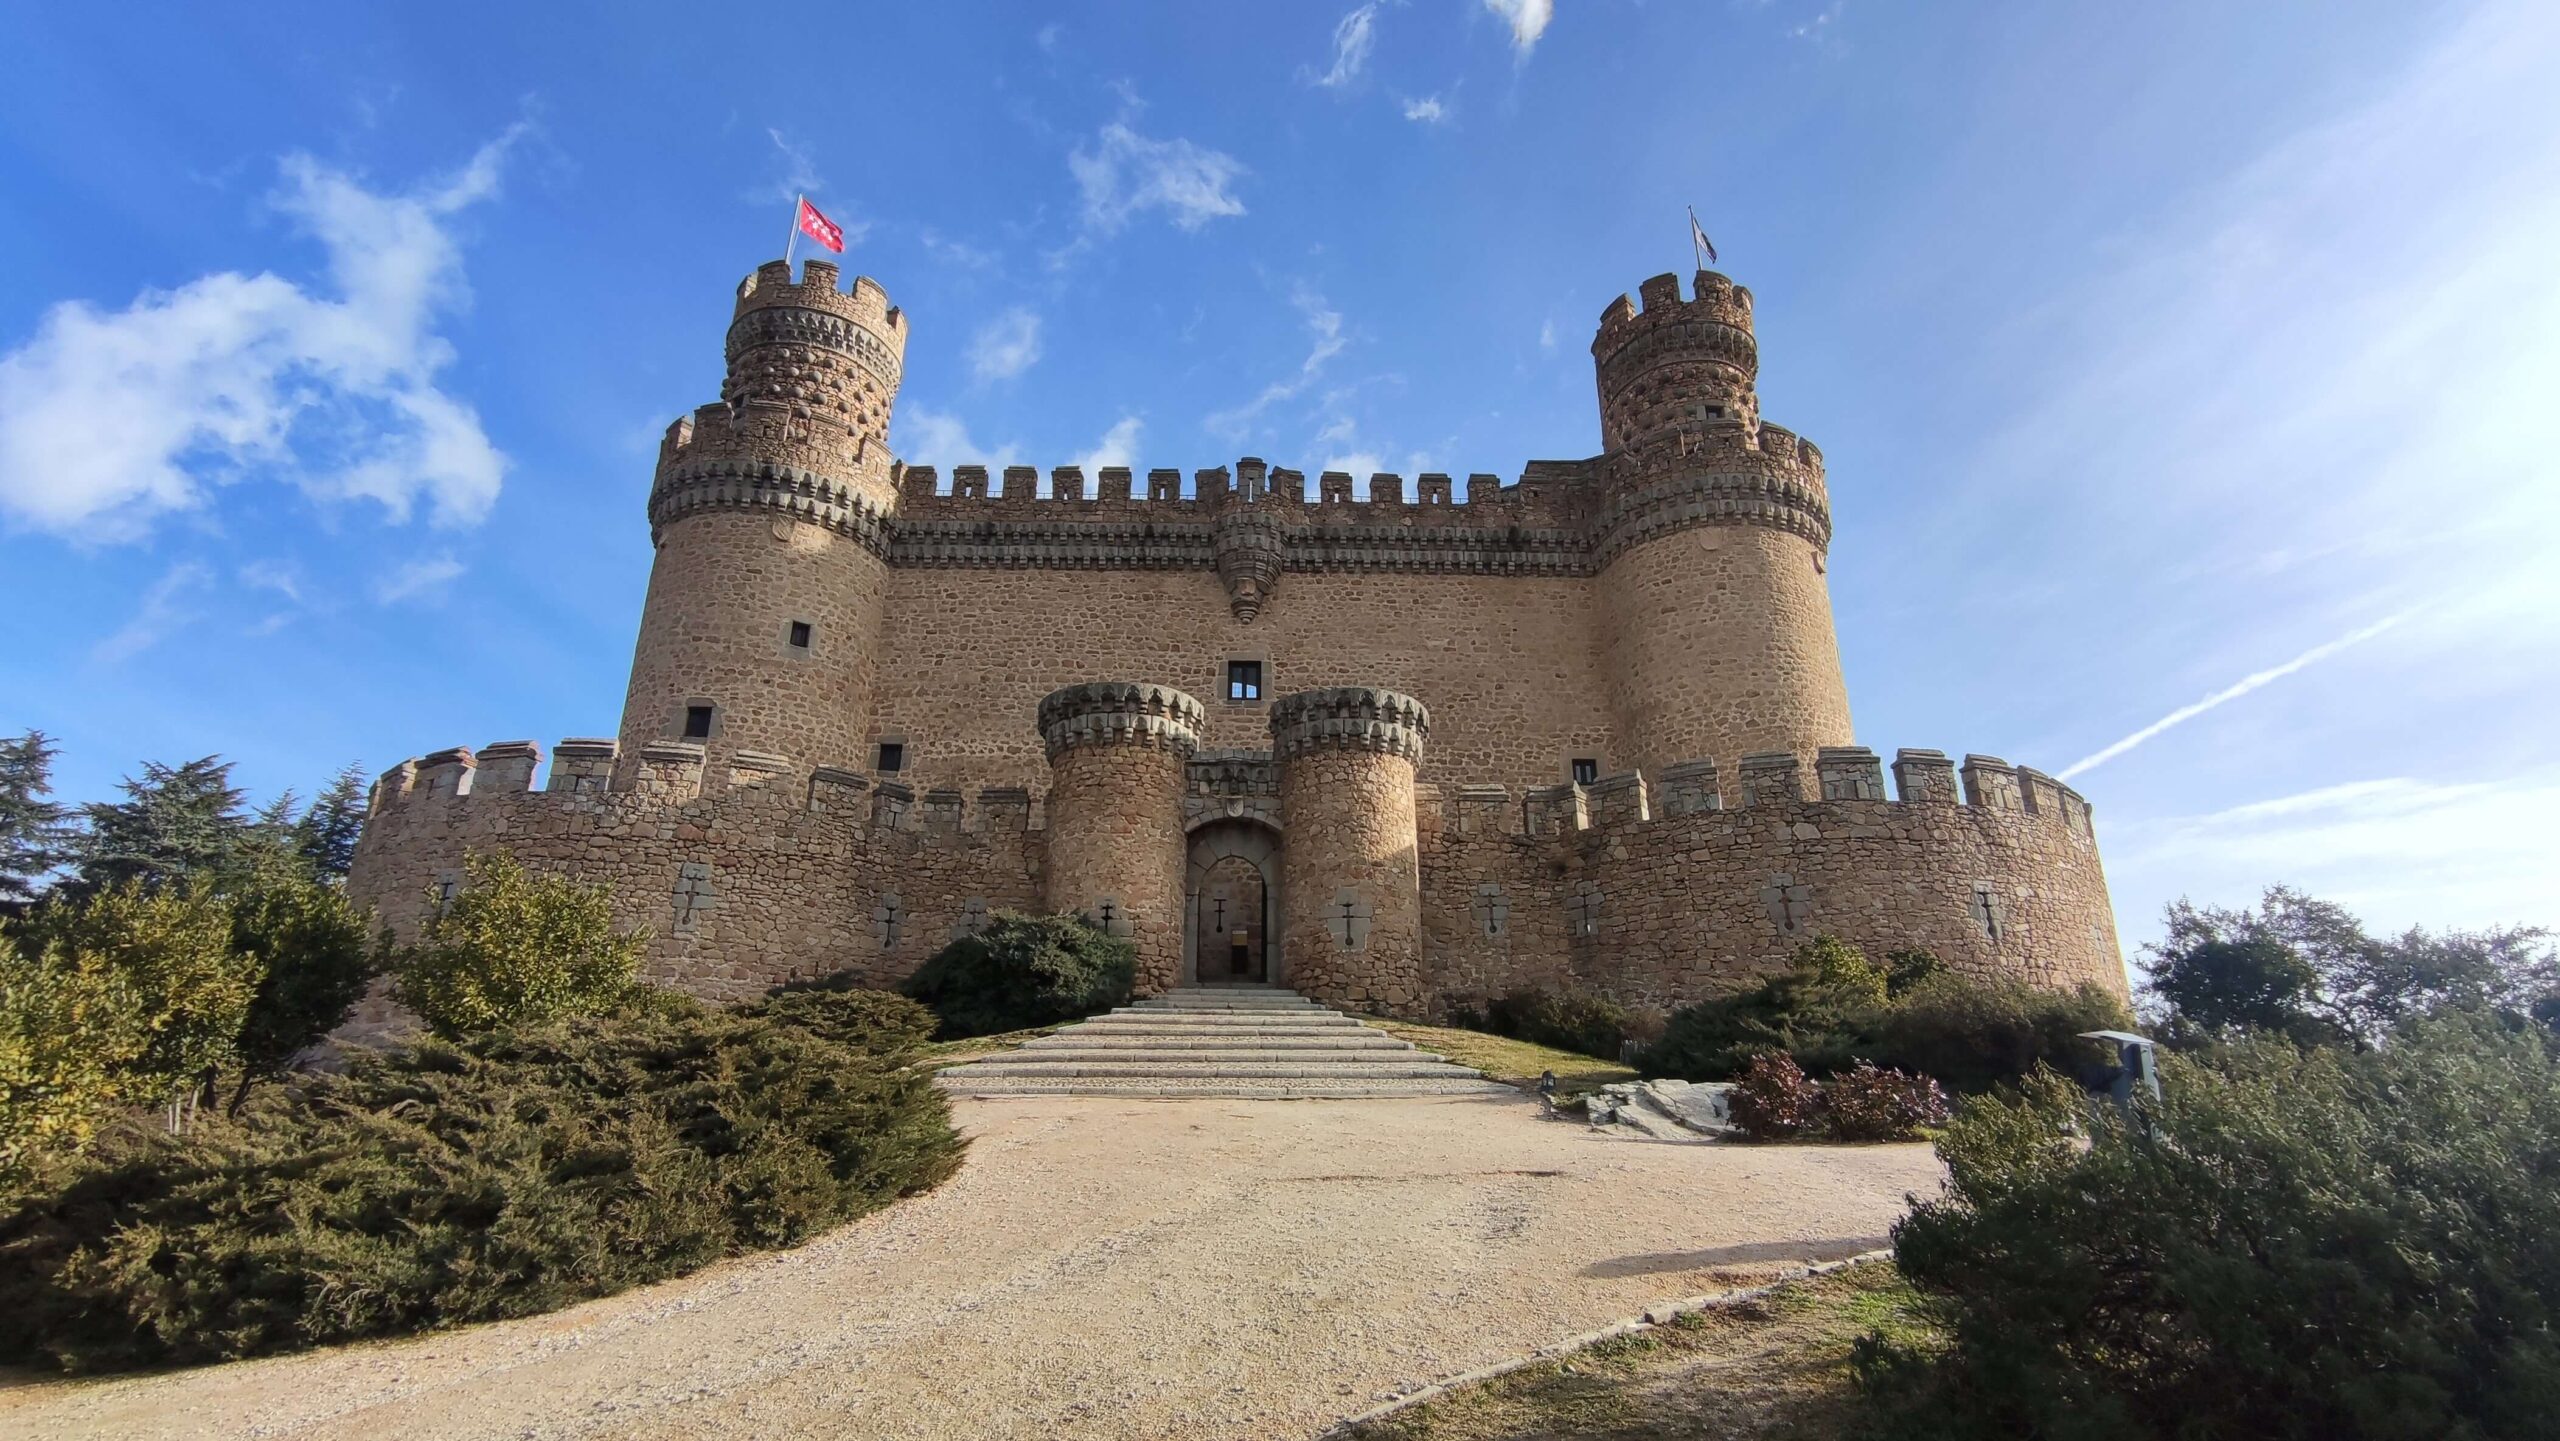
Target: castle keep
{"type": "Point", "coordinates": [1393, 749]}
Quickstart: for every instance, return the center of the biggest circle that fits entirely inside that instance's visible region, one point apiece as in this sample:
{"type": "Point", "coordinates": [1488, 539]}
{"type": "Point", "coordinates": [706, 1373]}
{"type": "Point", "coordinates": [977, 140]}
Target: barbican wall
{"type": "Point", "coordinates": [1652, 889]}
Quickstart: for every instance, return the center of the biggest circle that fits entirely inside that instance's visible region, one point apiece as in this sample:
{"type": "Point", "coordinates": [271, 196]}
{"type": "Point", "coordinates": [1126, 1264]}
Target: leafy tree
{"type": "Point", "coordinates": [31, 828]}
{"type": "Point", "coordinates": [70, 1026]}
{"type": "Point", "coordinates": [173, 947]}
{"type": "Point", "coordinates": [1024, 971]}
{"type": "Point", "coordinates": [175, 824]}
{"type": "Point", "coordinates": [2259, 983]}
{"type": "Point", "coordinates": [316, 957]}
{"type": "Point", "coordinates": [514, 947]}
{"type": "Point", "coordinates": [326, 834]}
{"type": "Point", "coordinates": [2307, 967]}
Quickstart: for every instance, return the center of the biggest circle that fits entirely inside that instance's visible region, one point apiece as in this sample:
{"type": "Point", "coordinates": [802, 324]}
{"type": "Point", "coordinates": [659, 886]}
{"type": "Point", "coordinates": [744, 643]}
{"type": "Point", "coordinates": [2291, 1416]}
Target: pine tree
{"type": "Point", "coordinates": [31, 828]}
{"type": "Point", "coordinates": [326, 834]}
{"type": "Point", "coordinates": [175, 824]}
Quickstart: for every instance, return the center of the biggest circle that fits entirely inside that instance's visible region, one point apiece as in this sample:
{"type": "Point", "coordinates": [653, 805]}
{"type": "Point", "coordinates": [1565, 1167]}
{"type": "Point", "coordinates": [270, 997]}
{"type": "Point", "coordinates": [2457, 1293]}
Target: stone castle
{"type": "Point", "coordinates": [1585, 729]}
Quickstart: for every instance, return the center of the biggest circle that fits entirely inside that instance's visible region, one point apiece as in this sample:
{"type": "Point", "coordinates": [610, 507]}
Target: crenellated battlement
{"type": "Point", "coordinates": [674, 778]}
{"type": "Point", "coordinates": [1847, 787]}
{"type": "Point", "coordinates": [924, 490]}
{"type": "Point", "coordinates": [772, 286]}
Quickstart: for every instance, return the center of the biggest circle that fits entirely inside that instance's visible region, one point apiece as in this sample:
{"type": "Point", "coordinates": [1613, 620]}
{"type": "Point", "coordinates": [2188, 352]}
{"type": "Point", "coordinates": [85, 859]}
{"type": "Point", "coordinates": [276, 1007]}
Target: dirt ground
{"type": "Point", "coordinates": [1100, 1268]}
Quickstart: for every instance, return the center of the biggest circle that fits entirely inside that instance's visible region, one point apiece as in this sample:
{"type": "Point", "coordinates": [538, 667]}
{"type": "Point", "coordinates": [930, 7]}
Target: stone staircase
{"type": "Point", "coordinates": [1247, 1042]}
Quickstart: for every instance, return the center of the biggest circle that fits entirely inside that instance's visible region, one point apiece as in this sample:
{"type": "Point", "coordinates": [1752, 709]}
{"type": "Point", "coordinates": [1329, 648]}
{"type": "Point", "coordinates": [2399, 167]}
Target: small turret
{"type": "Point", "coordinates": [1677, 365]}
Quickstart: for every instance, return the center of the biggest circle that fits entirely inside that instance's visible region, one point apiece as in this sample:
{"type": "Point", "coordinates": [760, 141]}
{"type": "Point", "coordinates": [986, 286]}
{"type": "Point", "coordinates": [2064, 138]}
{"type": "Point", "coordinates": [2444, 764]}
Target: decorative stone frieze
{"type": "Point", "coordinates": [1120, 713]}
{"type": "Point", "coordinates": [1348, 717]}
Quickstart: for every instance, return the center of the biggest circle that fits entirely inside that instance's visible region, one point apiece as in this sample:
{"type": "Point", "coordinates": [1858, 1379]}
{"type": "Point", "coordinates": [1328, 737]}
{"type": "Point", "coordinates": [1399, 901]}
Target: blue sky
{"type": "Point", "coordinates": [2188, 373]}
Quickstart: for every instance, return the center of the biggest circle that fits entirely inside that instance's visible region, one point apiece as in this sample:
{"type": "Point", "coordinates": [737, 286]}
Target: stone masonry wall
{"type": "Point", "coordinates": [1661, 900]}
{"type": "Point", "coordinates": [1511, 666]}
{"type": "Point", "coordinates": [1720, 643]}
{"type": "Point", "coordinates": [716, 627]}
{"type": "Point", "coordinates": [784, 874]}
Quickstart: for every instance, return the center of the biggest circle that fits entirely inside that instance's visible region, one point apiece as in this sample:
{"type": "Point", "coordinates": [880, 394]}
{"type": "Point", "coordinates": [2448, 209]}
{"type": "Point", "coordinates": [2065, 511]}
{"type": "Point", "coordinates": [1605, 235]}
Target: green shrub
{"type": "Point", "coordinates": [1023, 971]}
{"type": "Point", "coordinates": [1833, 1009]}
{"type": "Point", "coordinates": [501, 1174]}
{"type": "Point", "coordinates": [1567, 1020]}
{"type": "Point", "coordinates": [512, 947]}
{"type": "Point", "coordinates": [1972, 1035]}
{"type": "Point", "coordinates": [2290, 1243]}
{"type": "Point", "coordinates": [1868, 1103]}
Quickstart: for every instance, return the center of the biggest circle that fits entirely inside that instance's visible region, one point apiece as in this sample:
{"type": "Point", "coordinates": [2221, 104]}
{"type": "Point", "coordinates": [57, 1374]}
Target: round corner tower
{"type": "Point", "coordinates": [1351, 873]}
{"type": "Point", "coordinates": [1713, 532]}
{"type": "Point", "coordinates": [1118, 752]}
{"type": "Point", "coordinates": [763, 616]}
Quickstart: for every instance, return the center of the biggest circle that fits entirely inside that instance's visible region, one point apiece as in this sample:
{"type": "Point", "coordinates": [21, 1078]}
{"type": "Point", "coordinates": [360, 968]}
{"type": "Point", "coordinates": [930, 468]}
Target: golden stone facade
{"type": "Point", "coordinates": [1586, 728]}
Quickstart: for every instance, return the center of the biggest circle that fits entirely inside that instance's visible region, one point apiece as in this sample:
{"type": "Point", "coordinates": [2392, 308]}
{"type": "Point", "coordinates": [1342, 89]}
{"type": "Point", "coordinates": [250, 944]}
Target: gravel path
{"type": "Point", "coordinates": [1100, 1268]}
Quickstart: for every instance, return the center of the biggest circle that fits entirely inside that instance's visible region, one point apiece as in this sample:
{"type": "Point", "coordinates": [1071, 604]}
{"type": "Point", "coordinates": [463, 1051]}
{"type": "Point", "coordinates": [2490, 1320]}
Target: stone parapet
{"type": "Point", "coordinates": [1348, 717]}
{"type": "Point", "coordinates": [1120, 713]}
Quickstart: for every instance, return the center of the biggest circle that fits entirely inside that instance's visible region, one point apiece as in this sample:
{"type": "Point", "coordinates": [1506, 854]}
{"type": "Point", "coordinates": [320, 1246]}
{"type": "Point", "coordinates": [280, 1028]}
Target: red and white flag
{"type": "Point", "coordinates": [819, 228]}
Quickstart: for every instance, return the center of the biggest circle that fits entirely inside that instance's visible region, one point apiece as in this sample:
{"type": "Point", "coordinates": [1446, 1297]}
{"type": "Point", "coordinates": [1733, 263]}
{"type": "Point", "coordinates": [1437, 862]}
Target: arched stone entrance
{"type": "Point", "coordinates": [1231, 894]}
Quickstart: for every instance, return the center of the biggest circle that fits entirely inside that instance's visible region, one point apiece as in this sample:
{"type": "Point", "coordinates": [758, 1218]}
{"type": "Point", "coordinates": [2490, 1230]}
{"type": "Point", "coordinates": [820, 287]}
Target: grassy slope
{"type": "Point", "coordinates": [1776, 1369]}
{"type": "Point", "coordinates": [944, 1053]}
{"type": "Point", "coordinates": [1505, 1059]}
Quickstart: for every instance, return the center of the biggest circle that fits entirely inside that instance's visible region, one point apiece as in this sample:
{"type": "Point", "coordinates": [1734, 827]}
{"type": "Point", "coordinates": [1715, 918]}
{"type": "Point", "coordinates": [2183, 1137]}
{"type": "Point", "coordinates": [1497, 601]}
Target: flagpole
{"type": "Point", "coordinates": [1695, 253]}
{"type": "Point", "coordinates": [796, 202]}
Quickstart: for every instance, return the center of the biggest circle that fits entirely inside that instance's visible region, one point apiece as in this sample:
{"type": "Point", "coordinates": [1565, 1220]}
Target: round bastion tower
{"type": "Point", "coordinates": [1712, 536]}
{"type": "Point", "coordinates": [1351, 874]}
{"type": "Point", "coordinates": [1118, 752]}
{"type": "Point", "coordinates": [765, 600]}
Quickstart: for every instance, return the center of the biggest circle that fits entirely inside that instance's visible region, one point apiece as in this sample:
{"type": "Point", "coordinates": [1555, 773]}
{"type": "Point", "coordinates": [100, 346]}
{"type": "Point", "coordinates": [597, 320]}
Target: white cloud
{"type": "Point", "coordinates": [1005, 346]}
{"type": "Point", "coordinates": [1822, 28]}
{"type": "Point", "coordinates": [1353, 38]}
{"type": "Point", "coordinates": [1358, 464]}
{"type": "Point", "coordinates": [276, 576]}
{"type": "Point", "coordinates": [108, 420]}
{"type": "Point", "coordinates": [1547, 334]}
{"type": "Point", "coordinates": [799, 174]}
{"type": "Point", "coordinates": [1118, 446]}
{"type": "Point", "coordinates": [1527, 19]}
{"type": "Point", "coordinates": [163, 612]}
{"type": "Point", "coordinates": [1126, 173]}
{"type": "Point", "coordinates": [1426, 109]}
{"type": "Point", "coordinates": [2233, 692]}
{"type": "Point", "coordinates": [937, 438]}
{"type": "Point", "coordinates": [424, 578]}
{"type": "Point", "coordinates": [1325, 323]}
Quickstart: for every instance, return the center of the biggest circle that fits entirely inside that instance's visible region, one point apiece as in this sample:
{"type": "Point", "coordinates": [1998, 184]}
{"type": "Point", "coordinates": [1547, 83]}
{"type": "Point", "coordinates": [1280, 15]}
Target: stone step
{"type": "Point", "coordinates": [1212, 1069]}
{"type": "Point", "coordinates": [1207, 1056]}
{"type": "Point", "coordinates": [1159, 1088]}
{"type": "Point", "coordinates": [1191, 1042]}
{"type": "Point", "coordinates": [1222, 1007]}
{"type": "Point", "coordinates": [1215, 1041]}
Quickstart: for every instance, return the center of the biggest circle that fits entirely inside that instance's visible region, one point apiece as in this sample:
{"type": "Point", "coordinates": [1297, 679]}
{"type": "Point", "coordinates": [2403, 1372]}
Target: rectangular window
{"type": "Point", "coordinates": [799, 635]}
{"type": "Point", "coordinates": [1244, 680]}
{"type": "Point", "coordinates": [893, 757]}
{"type": "Point", "coordinates": [1586, 770]}
{"type": "Point", "coordinates": [697, 722]}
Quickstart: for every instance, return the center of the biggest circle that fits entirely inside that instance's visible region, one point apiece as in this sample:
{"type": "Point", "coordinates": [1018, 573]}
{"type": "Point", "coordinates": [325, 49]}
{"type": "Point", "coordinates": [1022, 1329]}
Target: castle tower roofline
{"type": "Point", "coordinates": [817, 288]}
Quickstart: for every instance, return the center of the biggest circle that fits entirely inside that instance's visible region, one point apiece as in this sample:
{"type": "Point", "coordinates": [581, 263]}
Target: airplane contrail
{"type": "Point", "coordinates": [2271, 674]}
